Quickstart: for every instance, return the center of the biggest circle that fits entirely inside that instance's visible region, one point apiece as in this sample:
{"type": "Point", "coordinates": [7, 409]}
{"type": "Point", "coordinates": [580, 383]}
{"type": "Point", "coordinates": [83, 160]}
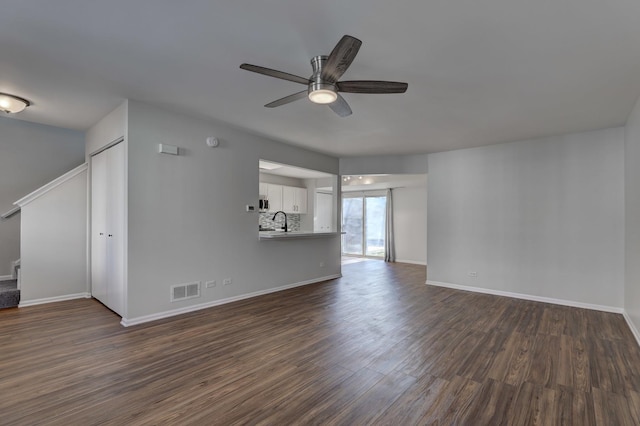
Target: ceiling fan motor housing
{"type": "Point", "coordinates": [315, 82]}
{"type": "Point", "coordinates": [317, 63]}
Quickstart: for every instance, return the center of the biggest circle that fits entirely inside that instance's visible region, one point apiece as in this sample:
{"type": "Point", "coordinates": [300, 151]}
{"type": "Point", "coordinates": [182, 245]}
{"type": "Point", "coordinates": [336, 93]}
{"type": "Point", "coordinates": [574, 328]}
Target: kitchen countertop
{"type": "Point", "coordinates": [280, 235]}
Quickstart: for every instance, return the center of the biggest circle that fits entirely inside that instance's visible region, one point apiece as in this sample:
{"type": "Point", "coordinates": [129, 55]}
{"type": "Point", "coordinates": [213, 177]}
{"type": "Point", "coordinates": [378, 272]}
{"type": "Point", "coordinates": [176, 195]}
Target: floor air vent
{"type": "Point", "coordinates": [185, 291]}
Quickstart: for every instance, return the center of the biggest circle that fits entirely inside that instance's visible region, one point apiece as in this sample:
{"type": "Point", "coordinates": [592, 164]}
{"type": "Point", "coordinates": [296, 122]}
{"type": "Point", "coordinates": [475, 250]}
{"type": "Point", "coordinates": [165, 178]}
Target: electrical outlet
{"type": "Point", "coordinates": [322, 264]}
{"type": "Point", "coordinates": [211, 284]}
{"type": "Point", "coordinates": [227, 281]}
{"type": "Point", "coordinates": [472, 274]}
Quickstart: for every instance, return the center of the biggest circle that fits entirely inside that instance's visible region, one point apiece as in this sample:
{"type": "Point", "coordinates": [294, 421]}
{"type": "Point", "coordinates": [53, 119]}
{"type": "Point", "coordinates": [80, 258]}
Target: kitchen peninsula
{"type": "Point", "coordinates": [280, 235]}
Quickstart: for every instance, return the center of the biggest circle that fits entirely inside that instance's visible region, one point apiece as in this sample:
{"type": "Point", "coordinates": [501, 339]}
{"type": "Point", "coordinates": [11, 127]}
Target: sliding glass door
{"type": "Point", "coordinates": [363, 220]}
{"type": "Point", "coordinates": [353, 225]}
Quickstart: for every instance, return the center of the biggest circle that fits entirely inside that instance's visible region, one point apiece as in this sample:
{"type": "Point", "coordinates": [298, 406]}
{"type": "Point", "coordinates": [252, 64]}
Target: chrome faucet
{"type": "Point", "coordinates": [285, 219]}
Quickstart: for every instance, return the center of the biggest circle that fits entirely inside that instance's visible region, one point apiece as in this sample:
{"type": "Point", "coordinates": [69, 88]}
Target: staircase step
{"type": "Point", "coordinates": [9, 294]}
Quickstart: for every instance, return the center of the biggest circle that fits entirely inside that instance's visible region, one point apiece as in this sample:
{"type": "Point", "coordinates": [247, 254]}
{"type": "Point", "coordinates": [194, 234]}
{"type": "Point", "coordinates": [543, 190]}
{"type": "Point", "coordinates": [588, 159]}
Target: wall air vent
{"type": "Point", "coordinates": [185, 291]}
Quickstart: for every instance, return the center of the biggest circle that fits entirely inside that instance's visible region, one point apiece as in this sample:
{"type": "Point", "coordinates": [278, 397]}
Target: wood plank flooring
{"type": "Point", "coordinates": [377, 346]}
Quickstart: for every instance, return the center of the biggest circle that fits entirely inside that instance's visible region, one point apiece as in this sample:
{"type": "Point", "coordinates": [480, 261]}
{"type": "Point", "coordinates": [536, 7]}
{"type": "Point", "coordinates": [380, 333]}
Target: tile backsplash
{"type": "Point", "coordinates": [293, 221]}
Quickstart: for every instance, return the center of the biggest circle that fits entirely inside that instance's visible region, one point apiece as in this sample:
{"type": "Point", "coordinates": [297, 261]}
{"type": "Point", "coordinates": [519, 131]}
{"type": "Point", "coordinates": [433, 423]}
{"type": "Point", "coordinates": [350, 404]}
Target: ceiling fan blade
{"type": "Point", "coordinates": [340, 58]}
{"type": "Point", "coordinates": [275, 73]}
{"type": "Point", "coordinates": [366, 86]}
{"type": "Point", "coordinates": [340, 107]}
{"type": "Point", "coordinates": [287, 99]}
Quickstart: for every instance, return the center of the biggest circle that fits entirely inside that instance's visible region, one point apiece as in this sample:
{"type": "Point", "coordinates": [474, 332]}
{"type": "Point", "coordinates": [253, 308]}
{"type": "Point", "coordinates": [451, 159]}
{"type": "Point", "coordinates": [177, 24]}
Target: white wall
{"type": "Point", "coordinates": [109, 129]}
{"type": "Point", "coordinates": [54, 242]}
{"type": "Point", "coordinates": [30, 156]}
{"type": "Point", "coordinates": [410, 224]}
{"type": "Point", "coordinates": [187, 219]}
{"type": "Point", "coordinates": [632, 218]}
{"type": "Point", "coordinates": [539, 217]}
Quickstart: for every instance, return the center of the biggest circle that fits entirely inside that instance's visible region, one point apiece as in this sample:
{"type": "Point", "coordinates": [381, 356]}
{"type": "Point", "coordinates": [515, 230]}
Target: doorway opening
{"type": "Point", "coordinates": [368, 202]}
{"type": "Point", "coordinates": [364, 223]}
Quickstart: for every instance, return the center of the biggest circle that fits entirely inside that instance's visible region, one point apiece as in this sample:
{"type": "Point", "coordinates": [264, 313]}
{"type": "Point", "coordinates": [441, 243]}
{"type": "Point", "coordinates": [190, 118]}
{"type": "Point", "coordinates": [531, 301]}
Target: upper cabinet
{"type": "Point", "coordinates": [301, 200]}
{"type": "Point", "coordinates": [274, 195]}
{"type": "Point", "coordinates": [289, 199]}
{"type": "Point", "coordinates": [294, 200]}
{"type": "Point", "coordinates": [264, 191]}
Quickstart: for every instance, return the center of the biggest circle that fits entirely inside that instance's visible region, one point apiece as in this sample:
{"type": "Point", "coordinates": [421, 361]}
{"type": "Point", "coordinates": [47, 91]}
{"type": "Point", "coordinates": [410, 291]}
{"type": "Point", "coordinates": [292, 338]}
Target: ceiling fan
{"type": "Point", "coordinates": [323, 86]}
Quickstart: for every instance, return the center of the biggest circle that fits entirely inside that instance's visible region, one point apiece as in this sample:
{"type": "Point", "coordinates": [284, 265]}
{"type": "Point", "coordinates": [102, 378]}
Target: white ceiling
{"type": "Point", "coordinates": [358, 183]}
{"type": "Point", "coordinates": [479, 72]}
{"type": "Point", "coordinates": [278, 169]}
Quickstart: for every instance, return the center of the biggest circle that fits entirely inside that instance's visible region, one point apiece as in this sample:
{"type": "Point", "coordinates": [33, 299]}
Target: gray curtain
{"type": "Point", "coordinates": [389, 243]}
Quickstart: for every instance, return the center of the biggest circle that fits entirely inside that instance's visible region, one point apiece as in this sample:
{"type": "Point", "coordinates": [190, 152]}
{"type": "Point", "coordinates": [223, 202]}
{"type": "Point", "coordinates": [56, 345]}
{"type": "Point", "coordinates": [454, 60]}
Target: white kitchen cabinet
{"type": "Point", "coordinates": [274, 195]}
{"type": "Point", "coordinates": [263, 190]}
{"type": "Point", "coordinates": [288, 199]}
{"type": "Point", "coordinates": [301, 200]}
{"type": "Point", "coordinates": [294, 200]}
{"type": "Point", "coordinates": [107, 227]}
{"type": "Point", "coordinates": [324, 213]}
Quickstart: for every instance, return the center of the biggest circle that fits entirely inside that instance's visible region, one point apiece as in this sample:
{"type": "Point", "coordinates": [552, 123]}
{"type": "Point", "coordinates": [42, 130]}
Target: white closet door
{"type": "Point", "coordinates": [99, 227]}
{"type": "Point", "coordinates": [107, 227]}
{"type": "Point", "coordinates": [116, 237]}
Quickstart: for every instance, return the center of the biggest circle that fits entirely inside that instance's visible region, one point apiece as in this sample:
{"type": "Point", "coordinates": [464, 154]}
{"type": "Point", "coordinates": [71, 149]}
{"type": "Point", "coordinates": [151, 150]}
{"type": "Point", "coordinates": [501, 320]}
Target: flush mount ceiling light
{"type": "Point", "coordinates": [12, 104]}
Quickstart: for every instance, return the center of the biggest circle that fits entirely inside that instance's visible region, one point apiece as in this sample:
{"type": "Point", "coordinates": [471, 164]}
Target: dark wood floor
{"type": "Point", "coordinates": [377, 346]}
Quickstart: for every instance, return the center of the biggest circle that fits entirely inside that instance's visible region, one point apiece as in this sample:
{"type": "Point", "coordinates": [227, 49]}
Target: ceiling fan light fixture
{"type": "Point", "coordinates": [12, 104]}
{"type": "Point", "coordinates": [322, 93]}
{"type": "Point", "coordinates": [323, 96]}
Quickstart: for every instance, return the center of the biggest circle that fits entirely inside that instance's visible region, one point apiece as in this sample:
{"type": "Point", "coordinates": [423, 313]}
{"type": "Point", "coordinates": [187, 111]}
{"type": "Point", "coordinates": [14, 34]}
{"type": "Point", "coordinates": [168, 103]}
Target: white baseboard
{"type": "Point", "coordinates": [413, 262]}
{"type": "Point", "coordinates": [632, 326]}
{"type": "Point", "coordinates": [33, 302]}
{"type": "Point", "coordinates": [15, 267]}
{"type": "Point", "coordinates": [127, 322]}
{"type": "Point", "coordinates": [562, 302]}
{"type": "Point", "coordinates": [6, 277]}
